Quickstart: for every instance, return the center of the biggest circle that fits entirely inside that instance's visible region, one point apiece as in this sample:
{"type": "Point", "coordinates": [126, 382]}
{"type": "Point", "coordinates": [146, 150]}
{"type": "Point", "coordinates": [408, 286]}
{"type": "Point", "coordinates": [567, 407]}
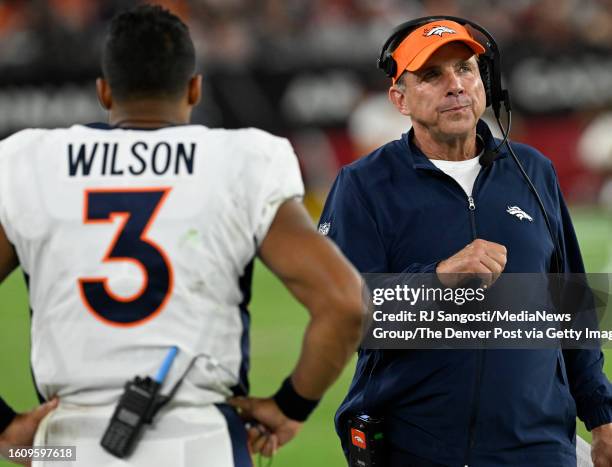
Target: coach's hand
{"type": "Point", "coordinates": [271, 429]}
{"type": "Point", "coordinates": [480, 258]}
{"type": "Point", "coordinates": [601, 447]}
{"type": "Point", "coordinates": [22, 429]}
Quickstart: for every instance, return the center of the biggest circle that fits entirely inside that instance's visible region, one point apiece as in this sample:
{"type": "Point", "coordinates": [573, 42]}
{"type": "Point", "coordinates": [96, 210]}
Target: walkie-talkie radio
{"type": "Point", "coordinates": [366, 443]}
{"type": "Point", "coordinates": [137, 406]}
{"type": "Point", "coordinates": [140, 403]}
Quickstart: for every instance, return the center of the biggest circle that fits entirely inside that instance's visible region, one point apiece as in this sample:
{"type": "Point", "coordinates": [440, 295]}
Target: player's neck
{"type": "Point", "coordinates": [149, 114]}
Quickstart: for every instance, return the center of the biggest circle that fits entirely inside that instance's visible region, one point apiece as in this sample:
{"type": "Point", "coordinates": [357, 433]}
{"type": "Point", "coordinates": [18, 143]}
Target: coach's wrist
{"type": "Point", "coordinates": [291, 404]}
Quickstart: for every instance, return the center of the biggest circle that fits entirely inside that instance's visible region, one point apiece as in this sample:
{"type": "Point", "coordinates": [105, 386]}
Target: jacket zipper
{"type": "Point", "coordinates": [479, 358]}
{"type": "Point", "coordinates": [479, 352]}
{"type": "Point", "coordinates": [472, 208]}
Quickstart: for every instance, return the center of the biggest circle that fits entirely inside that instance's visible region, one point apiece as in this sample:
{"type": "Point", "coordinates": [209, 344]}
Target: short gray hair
{"type": "Point", "coordinates": [400, 82]}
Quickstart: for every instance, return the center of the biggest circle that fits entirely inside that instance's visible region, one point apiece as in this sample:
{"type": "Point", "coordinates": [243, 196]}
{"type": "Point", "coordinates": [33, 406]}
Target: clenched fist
{"type": "Point", "coordinates": [482, 259]}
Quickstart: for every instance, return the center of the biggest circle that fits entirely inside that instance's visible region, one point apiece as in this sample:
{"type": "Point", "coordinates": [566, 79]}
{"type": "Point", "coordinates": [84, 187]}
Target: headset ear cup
{"type": "Point", "coordinates": [388, 65]}
{"type": "Point", "coordinates": [484, 65]}
{"type": "Point", "coordinates": [392, 66]}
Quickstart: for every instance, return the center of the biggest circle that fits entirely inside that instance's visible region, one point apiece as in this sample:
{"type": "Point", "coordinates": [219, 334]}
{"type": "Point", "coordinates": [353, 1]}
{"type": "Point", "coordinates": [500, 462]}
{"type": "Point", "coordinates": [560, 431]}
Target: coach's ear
{"type": "Point", "coordinates": [105, 96]}
{"type": "Point", "coordinates": [195, 90]}
{"type": "Point", "coordinates": [397, 96]}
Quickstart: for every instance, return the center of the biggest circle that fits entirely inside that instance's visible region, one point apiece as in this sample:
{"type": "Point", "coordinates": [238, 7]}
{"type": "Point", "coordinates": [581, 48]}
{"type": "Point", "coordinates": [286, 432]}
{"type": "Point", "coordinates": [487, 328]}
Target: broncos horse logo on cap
{"type": "Point", "coordinates": [438, 31]}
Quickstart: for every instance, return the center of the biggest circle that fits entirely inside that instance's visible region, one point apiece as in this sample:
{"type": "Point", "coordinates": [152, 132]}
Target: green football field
{"type": "Point", "coordinates": [277, 324]}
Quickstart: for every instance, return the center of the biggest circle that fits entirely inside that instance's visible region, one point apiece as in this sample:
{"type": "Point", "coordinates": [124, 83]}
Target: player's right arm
{"type": "Point", "coordinates": [8, 257]}
{"type": "Point", "coordinates": [17, 429]}
{"type": "Point", "coordinates": [321, 278]}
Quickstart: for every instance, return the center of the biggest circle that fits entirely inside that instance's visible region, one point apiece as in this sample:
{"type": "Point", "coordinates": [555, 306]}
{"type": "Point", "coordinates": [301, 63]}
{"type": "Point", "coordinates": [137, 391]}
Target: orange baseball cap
{"type": "Point", "coordinates": [420, 44]}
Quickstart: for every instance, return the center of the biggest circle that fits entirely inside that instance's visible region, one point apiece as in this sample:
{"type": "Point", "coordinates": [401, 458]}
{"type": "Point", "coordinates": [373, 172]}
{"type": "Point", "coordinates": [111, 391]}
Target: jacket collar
{"type": "Point", "coordinates": [421, 161]}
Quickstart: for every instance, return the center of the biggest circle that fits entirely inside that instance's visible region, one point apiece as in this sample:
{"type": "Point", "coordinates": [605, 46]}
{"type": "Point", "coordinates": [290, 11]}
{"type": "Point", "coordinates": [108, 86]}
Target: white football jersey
{"type": "Point", "coordinates": [134, 241]}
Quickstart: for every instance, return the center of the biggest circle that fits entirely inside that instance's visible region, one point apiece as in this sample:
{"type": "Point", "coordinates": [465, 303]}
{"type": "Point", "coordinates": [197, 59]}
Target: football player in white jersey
{"type": "Point", "coordinates": [138, 236]}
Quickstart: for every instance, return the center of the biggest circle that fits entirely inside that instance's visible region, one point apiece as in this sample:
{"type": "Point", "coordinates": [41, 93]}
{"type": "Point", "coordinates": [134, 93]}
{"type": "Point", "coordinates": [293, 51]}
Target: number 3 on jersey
{"type": "Point", "coordinates": [137, 209]}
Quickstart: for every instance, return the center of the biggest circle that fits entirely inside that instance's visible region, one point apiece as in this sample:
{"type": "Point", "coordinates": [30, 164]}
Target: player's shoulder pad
{"type": "Point", "coordinates": [260, 143]}
{"type": "Point", "coordinates": [17, 141]}
{"type": "Point", "coordinates": [258, 138]}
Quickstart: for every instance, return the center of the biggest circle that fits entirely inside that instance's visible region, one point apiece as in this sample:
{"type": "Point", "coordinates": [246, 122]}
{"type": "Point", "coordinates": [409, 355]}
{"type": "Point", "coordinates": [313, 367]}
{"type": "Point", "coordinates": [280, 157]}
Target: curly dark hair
{"type": "Point", "coordinates": [148, 53]}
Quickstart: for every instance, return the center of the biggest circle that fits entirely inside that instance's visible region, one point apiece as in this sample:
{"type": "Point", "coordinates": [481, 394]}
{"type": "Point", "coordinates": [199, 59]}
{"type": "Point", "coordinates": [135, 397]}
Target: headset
{"type": "Point", "coordinates": [489, 64]}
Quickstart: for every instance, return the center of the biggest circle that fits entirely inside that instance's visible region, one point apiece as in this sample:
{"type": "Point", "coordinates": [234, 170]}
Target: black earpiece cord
{"type": "Point", "coordinates": [553, 237]}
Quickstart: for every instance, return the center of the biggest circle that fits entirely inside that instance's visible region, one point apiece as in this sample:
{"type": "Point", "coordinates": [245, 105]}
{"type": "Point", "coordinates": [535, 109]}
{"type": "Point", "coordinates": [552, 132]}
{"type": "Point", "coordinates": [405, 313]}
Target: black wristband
{"type": "Point", "coordinates": [6, 415]}
{"type": "Point", "coordinates": [292, 404]}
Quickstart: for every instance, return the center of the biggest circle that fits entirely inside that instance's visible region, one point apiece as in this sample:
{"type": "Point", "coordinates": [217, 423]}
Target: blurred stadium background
{"type": "Point", "coordinates": [306, 69]}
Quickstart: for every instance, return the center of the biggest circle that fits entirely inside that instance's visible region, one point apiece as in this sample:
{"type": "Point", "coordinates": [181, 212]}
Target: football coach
{"type": "Point", "coordinates": [448, 197]}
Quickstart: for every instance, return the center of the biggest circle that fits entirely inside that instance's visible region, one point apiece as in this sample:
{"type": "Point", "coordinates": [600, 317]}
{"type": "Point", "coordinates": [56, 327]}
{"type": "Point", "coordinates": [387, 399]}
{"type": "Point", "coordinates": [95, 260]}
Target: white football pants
{"type": "Point", "coordinates": [207, 436]}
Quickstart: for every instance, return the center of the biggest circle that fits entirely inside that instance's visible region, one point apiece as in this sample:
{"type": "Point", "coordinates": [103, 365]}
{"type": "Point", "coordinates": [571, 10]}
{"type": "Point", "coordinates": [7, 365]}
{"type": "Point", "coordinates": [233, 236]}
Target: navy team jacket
{"type": "Point", "coordinates": [394, 211]}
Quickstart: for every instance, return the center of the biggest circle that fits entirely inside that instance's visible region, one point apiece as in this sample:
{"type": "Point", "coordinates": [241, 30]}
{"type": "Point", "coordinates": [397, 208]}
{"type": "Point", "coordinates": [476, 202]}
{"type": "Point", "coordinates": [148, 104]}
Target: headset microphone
{"type": "Point", "coordinates": [488, 157]}
{"type": "Point", "coordinates": [489, 154]}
